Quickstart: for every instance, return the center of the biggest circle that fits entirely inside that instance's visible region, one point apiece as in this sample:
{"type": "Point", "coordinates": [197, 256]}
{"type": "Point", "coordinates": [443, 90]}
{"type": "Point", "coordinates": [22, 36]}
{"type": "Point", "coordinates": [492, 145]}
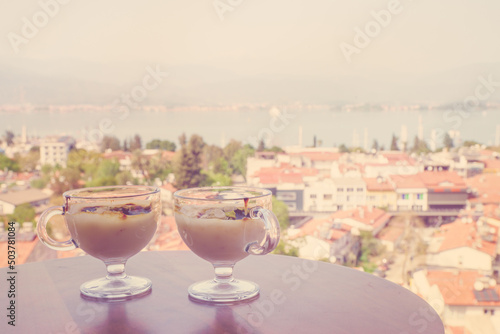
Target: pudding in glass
{"type": "Point", "coordinates": [218, 235]}
{"type": "Point", "coordinates": [114, 231]}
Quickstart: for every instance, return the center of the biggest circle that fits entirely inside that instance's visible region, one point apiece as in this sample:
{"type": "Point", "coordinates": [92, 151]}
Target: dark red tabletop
{"type": "Point", "coordinates": [297, 296]}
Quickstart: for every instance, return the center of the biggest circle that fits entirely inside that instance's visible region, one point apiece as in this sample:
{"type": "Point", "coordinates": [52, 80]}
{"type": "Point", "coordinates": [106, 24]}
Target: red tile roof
{"type": "Point", "coordinates": [23, 251]}
{"type": "Point", "coordinates": [168, 236]}
{"type": "Point", "coordinates": [314, 226]}
{"type": "Point", "coordinates": [484, 183]}
{"type": "Point", "coordinates": [461, 234]}
{"type": "Point", "coordinates": [407, 181]}
{"type": "Point", "coordinates": [391, 232]}
{"type": "Point", "coordinates": [337, 233]}
{"type": "Point", "coordinates": [23, 176]}
{"type": "Point", "coordinates": [491, 211]}
{"type": "Point", "coordinates": [457, 288]}
{"type": "Point", "coordinates": [487, 186]}
{"type": "Point", "coordinates": [430, 180]}
{"type": "Point", "coordinates": [167, 155]}
{"type": "Point", "coordinates": [438, 179]}
{"type": "Point", "coordinates": [373, 217]}
{"type": "Point", "coordinates": [457, 330]}
{"type": "Point", "coordinates": [395, 157]}
{"type": "Point", "coordinates": [492, 164]}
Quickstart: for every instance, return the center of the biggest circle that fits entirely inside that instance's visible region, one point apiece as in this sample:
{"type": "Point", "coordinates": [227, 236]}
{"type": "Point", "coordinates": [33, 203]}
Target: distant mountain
{"type": "Point", "coordinates": [76, 82]}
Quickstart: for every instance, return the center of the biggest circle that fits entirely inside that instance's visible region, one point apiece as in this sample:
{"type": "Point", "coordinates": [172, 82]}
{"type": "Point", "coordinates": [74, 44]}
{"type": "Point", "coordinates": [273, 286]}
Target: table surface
{"type": "Point", "coordinates": [297, 296]}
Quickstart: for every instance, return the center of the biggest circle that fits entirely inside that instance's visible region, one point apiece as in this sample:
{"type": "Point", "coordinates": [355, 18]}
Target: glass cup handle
{"type": "Point", "coordinates": [272, 232]}
{"type": "Point", "coordinates": [44, 236]}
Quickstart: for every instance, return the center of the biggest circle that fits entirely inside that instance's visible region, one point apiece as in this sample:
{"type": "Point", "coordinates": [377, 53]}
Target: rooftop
{"type": "Point", "coordinates": [458, 288]}
{"type": "Point", "coordinates": [464, 233]}
{"type": "Point", "coordinates": [24, 196]}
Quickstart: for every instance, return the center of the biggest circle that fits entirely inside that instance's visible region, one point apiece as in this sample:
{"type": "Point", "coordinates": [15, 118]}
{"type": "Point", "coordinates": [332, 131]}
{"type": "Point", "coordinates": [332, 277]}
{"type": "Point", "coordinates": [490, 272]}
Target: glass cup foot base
{"type": "Point", "coordinates": [228, 292]}
{"type": "Point", "coordinates": [116, 289]}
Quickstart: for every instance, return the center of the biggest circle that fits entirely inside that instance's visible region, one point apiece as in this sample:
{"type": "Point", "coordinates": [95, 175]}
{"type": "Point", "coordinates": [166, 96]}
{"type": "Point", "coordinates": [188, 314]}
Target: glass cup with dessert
{"type": "Point", "coordinates": [223, 225]}
{"type": "Point", "coordinates": [111, 224]}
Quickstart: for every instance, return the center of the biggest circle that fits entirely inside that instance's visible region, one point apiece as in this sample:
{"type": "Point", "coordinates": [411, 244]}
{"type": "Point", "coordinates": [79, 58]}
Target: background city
{"type": "Point", "coordinates": [375, 124]}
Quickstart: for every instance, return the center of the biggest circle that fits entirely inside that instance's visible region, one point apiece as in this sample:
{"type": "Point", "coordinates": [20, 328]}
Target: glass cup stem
{"type": "Point", "coordinates": [115, 270]}
{"type": "Point", "coordinates": [223, 274]}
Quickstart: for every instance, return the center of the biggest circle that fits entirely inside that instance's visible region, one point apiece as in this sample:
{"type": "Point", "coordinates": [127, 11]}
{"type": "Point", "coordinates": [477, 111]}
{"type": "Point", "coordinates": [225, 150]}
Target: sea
{"type": "Point", "coordinates": [280, 126]}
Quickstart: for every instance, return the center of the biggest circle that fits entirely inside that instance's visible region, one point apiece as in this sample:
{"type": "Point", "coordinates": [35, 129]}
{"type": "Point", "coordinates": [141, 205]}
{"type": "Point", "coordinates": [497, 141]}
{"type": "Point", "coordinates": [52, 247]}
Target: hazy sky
{"type": "Point", "coordinates": [259, 36]}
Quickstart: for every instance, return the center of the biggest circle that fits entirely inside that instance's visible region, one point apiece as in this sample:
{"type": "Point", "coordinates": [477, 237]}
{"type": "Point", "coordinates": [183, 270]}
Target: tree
{"type": "Point", "coordinates": [212, 179]}
{"type": "Point", "coordinates": [38, 183]}
{"type": "Point", "coordinates": [231, 148]}
{"type": "Point", "coordinates": [6, 163]}
{"type": "Point", "coordinates": [211, 156]}
{"type": "Point", "coordinates": [23, 213]}
{"type": "Point", "coordinates": [275, 149]}
{"type": "Point", "coordinates": [110, 142]}
{"type": "Point", "coordinates": [65, 180]}
{"type": "Point", "coordinates": [86, 162]}
{"type": "Point", "coordinates": [125, 146]}
{"type": "Point", "coordinates": [394, 143]}
{"type": "Point", "coordinates": [280, 209]}
{"type": "Point", "coordinates": [124, 177]}
{"type": "Point", "coordinates": [105, 174]}
{"type": "Point", "coordinates": [419, 146]}
{"type": "Point", "coordinates": [136, 143]}
{"type": "Point", "coordinates": [262, 146]}
{"type": "Point", "coordinates": [447, 141]}
{"type": "Point", "coordinates": [470, 143]}
{"type": "Point", "coordinates": [238, 162]}
{"type": "Point", "coordinates": [370, 247]}
{"type": "Point", "coordinates": [187, 167]}
{"type": "Point", "coordinates": [375, 145]}
{"type": "Point", "coordinates": [9, 138]}
{"type": "Point", "coordinates": [161, 145]}
{"type": "Point", "coordinates": [156, 167]}
{"type": "Point", "coordinates": [343, 149]}
{"type": "Point", "coordinates": [29, 161]}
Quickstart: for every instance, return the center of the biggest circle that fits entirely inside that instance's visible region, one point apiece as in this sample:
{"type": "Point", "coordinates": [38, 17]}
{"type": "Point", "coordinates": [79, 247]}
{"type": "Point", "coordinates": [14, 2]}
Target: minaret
{"type": "Point", "coordinates": [433, 144]}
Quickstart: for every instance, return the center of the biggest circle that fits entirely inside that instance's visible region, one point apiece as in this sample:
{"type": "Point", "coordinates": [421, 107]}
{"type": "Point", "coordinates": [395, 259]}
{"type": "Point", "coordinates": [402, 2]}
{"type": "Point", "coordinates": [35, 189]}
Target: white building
{"type": "Point", "coordinates": [462, 245]}
{"type": "Point", "coordinates": [320, 196]}
{"type": "Point", "coordinates": [54, 152]}
{"type": "Point", "coordinates": [350, 192]}
{"type": "Point", "coordinates": [411, 193]}
{"type": "Point", "coordinates": [38, 199]}
{"type": "Point", "coordinates": [466, 301]}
